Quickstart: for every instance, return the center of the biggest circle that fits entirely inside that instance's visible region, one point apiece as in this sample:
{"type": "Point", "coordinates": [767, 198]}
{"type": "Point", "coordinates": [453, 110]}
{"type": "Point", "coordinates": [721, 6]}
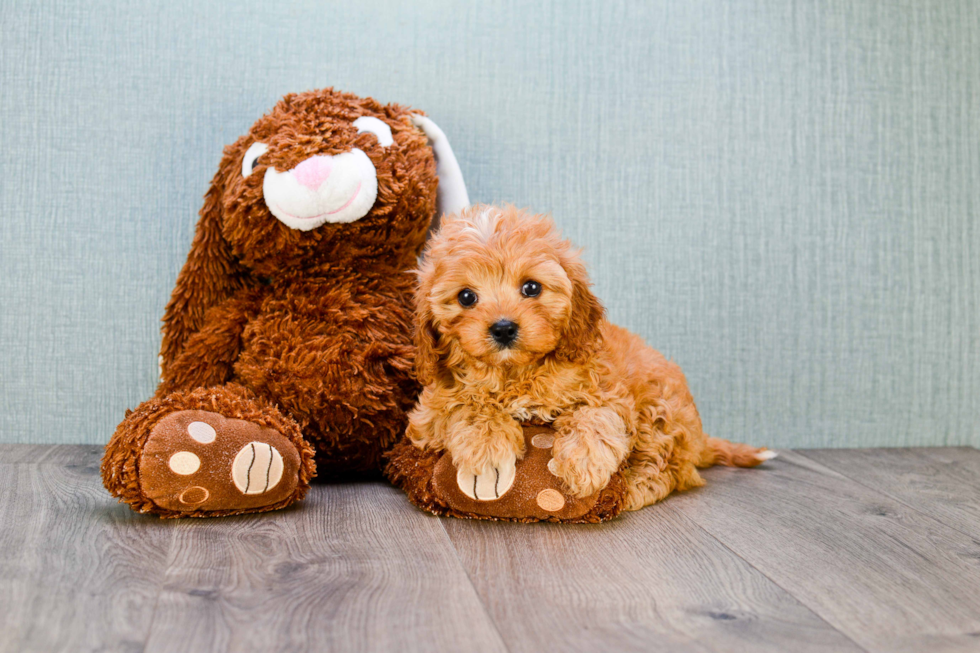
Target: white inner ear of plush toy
{"type": "Point", "coordinates": [452, 196]}
{"type": "Point", "coordinates": [323, 188]}
{"type": "Point", "coordinates": [252, 155]}
{"type": "Point", "coordinates": [377, 127]}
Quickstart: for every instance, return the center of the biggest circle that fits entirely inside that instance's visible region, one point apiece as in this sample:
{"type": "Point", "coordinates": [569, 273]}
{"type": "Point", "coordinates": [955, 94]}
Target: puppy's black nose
{"type": "Point", "coordinates": [504, 332]}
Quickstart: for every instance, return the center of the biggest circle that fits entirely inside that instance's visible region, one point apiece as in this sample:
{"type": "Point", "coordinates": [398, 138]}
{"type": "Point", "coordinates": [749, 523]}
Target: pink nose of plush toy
{"type": "Point", "coordinates": [312, 172]}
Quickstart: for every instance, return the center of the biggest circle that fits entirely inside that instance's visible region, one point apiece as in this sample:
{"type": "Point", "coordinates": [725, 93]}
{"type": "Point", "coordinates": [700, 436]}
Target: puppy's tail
{"type": "Point", "coordinates": [733, 454]}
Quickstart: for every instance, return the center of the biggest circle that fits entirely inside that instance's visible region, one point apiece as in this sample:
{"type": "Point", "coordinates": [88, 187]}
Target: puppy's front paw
{"type": "Point", "coordinates": [485, 454]}
{"type": "Point", "coordinates": [585, 470]}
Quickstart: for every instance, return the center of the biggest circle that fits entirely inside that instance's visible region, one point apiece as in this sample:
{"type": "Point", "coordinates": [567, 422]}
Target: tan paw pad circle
{"type": "Point", "coordinates": [202, 432]}
{"type": "Point", "coordinates": [257, 468]}
{"type": "Point", "coordinates": [552, 466]}
{"type": "Point", "coordinates": [194, 495]}
{"type": "Point", "coordinates": [184, 463]}
{"type": "Point", "coordinates": [551, 500]}
{"type": "Point", "coordinates": [543, 440]}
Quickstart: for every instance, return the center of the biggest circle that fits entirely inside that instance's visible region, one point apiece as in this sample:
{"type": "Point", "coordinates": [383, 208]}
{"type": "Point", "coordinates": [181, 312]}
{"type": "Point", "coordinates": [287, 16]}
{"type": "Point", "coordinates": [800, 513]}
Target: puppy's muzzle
{"type": "Point", "coordinates": [504, 332]}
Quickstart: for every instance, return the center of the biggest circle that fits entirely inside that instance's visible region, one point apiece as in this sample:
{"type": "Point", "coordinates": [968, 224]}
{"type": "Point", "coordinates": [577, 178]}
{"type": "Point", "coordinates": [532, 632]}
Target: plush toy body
{"type": "Point", "coordinates": [287, 340]}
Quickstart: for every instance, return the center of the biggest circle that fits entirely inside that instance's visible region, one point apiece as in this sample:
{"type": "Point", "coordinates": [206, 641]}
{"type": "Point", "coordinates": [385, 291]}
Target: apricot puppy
{"type": "Point", "coordinates": [508, 331]}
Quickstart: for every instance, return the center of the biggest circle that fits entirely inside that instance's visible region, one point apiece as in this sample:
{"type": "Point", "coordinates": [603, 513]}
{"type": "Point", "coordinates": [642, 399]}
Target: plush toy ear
{"type": "Point", "coordinates": [452, 196]}
{"type": "Point", "coordinates": [209, 276]}
{"type": "Point", "coordinates": [582, 336]}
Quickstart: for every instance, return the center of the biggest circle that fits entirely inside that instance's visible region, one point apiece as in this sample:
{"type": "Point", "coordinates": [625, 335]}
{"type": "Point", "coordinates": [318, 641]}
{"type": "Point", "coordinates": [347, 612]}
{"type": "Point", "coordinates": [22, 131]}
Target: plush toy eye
{"type": "Point", "coordinates": [251, 158]}
{"type": "Point", "coordinates": [377, 127]}
{"type": "Point", "coordinates": [466, 298]}
{"type": "Point", "coordinates": [531, 288]}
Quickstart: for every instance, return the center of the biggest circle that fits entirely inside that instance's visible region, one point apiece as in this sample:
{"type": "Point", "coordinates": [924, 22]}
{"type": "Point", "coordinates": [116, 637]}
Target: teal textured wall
{"type": "Point", "coordinates": [781, 195]}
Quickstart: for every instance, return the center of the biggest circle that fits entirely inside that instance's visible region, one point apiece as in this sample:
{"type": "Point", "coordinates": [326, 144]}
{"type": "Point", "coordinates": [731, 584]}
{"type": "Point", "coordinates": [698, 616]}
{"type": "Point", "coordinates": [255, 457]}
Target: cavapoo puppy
{"type": "Point", "coordinates": [508, 331]}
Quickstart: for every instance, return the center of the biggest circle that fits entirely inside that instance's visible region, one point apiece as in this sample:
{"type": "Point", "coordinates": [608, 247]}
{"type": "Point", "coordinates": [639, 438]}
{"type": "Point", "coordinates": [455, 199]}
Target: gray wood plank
{"type": "Point", "coordinates": [15, 454]}
{"type": "Point", "coordinates": [20, 453]}
{"type": "Point", "coordinates": [78, 571]}
{"type": "Point", "coordinates": [651, 580]}
{"type": "Point", "coordinates": [353, 568]}
{"type": "Point", "coordinates": [888, 576]}
{"type": "Point", "coordinates": [943, 482]}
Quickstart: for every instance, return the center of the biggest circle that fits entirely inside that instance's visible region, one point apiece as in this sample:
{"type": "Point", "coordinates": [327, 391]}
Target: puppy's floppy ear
{"type": "Point", "coordinates": [582, 336]}
{"type": "Point", "coordinates": [428, 364]}
{"type": "Point", "coordinates": [452, 196]}
{"type": "Point", "coordinates": [209, 276]}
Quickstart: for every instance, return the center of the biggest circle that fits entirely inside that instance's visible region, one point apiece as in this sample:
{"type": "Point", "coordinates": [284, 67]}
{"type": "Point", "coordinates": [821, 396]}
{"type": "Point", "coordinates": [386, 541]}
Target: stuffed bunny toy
{"type": "Point", "coordinates": [287, 341]}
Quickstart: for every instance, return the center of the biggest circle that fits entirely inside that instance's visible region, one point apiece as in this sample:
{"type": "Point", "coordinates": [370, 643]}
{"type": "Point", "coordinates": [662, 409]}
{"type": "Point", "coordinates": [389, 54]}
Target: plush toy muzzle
{"type": "Point", "coordinates": [323, 188]}
{"type": "Point", "coordinates": [342, 188]}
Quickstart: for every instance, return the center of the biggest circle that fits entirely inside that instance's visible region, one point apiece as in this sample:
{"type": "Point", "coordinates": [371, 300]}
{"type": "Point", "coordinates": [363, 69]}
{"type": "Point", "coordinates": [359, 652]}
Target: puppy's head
{"type": "Point", "coordinates": [500, 285]}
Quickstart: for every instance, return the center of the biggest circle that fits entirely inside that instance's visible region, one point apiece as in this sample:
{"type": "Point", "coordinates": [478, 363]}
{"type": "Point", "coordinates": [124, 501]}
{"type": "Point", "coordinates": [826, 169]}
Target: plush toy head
{"type": "Point", "coordinates": [327, 175]}
{"type": "Point", "coordinates": [325, 178]}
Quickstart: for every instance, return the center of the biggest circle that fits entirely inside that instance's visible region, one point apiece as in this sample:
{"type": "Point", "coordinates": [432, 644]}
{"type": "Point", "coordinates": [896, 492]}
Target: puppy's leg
{"type": "Point", "coordinates": [592, 443]}
{"type": "Point", "coordinates": [425, 422]}
{"type": "Point", "coordinates": [479, 438]}
{"type": "Point", "coordinates": [483, 441]}
{"type": "Point", "coordinates": [667, 451]}
{"type": "Point", "coordinates": [657, 465]}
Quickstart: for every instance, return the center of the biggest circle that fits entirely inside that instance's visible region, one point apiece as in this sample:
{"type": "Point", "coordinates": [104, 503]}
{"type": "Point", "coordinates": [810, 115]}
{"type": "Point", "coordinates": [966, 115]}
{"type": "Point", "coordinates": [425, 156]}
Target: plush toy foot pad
{"type": "Point", "coordinates": [200, 461]}
{"type": "Point", "coordinates": [525, 491]}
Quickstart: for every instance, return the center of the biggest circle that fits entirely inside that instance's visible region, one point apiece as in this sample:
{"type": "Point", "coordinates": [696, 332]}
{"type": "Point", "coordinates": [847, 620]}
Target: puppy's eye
{"type": "Point", "coordinates": [374, 126]}
{"type": "Point", "coordinates": [251, 158]}
{"type": "Point", "coordinates": [531, 289]}
{"type": "Point", "coordinates": [466, 298]}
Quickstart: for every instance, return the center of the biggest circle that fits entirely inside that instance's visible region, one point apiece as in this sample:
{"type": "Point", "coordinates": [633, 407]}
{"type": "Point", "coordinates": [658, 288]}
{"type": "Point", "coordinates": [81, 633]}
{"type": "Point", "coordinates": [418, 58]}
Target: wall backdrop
{"type": "Point", "coordinates": [781, 195]}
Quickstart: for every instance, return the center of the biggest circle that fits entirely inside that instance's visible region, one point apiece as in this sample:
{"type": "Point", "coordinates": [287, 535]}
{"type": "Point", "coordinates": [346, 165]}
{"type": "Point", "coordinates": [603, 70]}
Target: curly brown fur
{"type": "Point", "coordinates": [611, 398]}
{"type": "Point", "coordinates": [314, 322]}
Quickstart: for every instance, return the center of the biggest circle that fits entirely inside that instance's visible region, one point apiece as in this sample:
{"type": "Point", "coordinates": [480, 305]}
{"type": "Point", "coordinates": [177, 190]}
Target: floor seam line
{"type": "Point", "coordinates": [160, 590]}
{"type": "Point", "coordinates": [894, 498]}
{"type": "Point", "coordinates": [777, 584]}
{"type": "Point", "coordinates": [469, 579]}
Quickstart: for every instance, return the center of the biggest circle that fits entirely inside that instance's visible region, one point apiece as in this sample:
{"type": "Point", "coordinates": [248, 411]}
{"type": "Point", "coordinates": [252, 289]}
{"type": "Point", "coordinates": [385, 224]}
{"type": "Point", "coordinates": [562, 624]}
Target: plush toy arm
{"type": "Point", "coordinates": [210, 353]}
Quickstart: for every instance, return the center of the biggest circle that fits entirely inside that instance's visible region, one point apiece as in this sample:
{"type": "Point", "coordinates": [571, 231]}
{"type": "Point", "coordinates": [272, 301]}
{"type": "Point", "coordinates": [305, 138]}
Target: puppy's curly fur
{"type": "Point", "coordinates": [614, 401]}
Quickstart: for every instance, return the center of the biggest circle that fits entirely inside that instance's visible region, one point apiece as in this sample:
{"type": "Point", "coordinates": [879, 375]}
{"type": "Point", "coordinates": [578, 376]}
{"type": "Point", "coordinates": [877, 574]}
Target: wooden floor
{"type": "Point", "coordinates": [832, 550]}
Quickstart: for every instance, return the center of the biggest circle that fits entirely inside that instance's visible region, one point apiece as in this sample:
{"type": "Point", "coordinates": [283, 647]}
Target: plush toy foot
{"type": "Point", "coordinates": [206, 453]}
{"type": "Point", "coordinates": [523, 491]}
{"type": "Point", "coordinates": [195, 460]}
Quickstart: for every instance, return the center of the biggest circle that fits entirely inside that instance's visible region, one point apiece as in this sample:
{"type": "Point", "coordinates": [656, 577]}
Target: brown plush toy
{"type": "Point", "coordinates": [287, 340]}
